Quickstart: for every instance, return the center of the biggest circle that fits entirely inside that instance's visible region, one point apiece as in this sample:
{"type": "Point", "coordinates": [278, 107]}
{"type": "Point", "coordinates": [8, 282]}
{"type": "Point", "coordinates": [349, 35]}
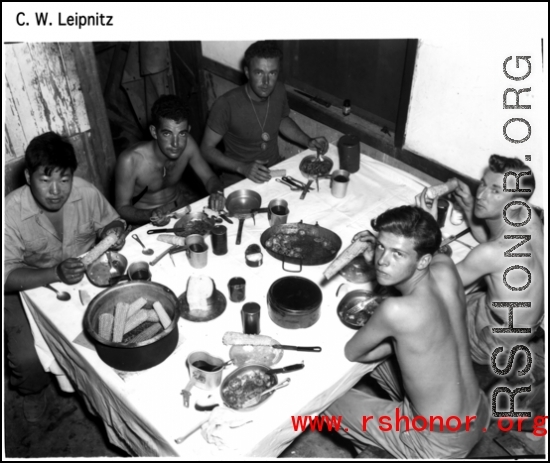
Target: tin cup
{"type": "Point", "coordinates": [250, 316]}
{"type": "Point", "coordinates": [197, 251]}
{"type": "Point", "coordinates": [219, 240]}
{"type": "Point", "coordinates": [139, 271]}
{"type": "Point", "coordinates": [277, 212]}
{"type": "Point", "coordinates": [237, 289]}
{"type": "Point", "coordinates": [349, 153]}
{"type": "Point", "coordinates": [339, 181]}
{"type": "Point", "coordinates": [442, 208]}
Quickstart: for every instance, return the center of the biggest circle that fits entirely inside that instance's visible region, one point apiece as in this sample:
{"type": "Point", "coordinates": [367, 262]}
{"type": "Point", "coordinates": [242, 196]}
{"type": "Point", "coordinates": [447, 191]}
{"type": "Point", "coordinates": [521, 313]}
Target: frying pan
{"type": "Point", "coordinates": [313, 159]}
{"type": "Point", "coordinates": [241, 205]}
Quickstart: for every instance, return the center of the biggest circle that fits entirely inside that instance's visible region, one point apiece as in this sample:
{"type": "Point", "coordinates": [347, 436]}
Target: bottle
{"type": "Point", "coordinates": [346, 110]}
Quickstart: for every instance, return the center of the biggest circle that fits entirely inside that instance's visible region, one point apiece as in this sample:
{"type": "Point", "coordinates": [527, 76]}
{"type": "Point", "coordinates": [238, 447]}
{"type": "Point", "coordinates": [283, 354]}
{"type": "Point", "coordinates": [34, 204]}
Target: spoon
{"type": "Point", "coordinates": [112, 270]}
{"type": "Point", "coordinates": [61, 295]}
{"type": "Point", "coordinates": [146, 251]}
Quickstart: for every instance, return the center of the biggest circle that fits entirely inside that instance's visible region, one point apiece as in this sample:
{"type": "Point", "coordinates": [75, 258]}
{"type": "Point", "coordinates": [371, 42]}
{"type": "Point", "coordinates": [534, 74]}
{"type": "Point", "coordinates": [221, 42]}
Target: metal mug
{"type": "Point", "coordinates": [139, 271]}
{"type": "Point", "coordinates": [201, 365]}
{"type": "Point", "coordinates": [339, 181]}
{"type": "Point", "coordinates": [197, 251]}
{"type": "Point", "coordinates": [237, 289]}
{"type": "Point", "coordinates": [277, 212]}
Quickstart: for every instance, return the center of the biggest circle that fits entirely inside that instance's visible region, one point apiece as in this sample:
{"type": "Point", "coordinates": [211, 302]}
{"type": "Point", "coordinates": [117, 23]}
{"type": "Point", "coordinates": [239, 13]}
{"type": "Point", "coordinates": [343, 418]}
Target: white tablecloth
{"type": "Point", "coordinates": [143, 412]}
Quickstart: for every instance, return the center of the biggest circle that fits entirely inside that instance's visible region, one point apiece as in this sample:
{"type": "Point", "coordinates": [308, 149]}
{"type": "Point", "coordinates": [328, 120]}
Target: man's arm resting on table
{"type": "Point", "coordinates": [24, 278]}
{"type": "Point", "coordinates": [371, 342]}
{"type": "Point", "coordinates": [291, 130]}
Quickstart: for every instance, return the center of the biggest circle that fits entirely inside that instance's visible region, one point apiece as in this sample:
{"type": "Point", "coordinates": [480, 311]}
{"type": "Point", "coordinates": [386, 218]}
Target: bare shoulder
{"type": "Point", "coordinates": [135, 154]}
{"type": "Point", "coordinates": [399, 313]}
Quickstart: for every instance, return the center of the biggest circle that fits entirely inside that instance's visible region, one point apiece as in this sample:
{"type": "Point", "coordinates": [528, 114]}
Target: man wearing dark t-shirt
{"type": "Point", "coordinates": [249, 118]}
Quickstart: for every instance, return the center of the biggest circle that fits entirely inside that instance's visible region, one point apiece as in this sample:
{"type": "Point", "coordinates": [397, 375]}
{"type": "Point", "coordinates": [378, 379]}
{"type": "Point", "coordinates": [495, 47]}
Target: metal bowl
{"type": "Point", "coordinates": [99, 271]}
{"type": "Point", "coordinates": [141, 355]}
{"type": "Point", "coordinates": [243, 376]}
{"type": "Point", "coordinates": [348, 308]}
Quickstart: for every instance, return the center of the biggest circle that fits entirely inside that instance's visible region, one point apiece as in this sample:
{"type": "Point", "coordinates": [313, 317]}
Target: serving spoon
{"type": "Point", "coordinates": [61, 295]}
{"type": "Point", "coordinates": [146, 251]}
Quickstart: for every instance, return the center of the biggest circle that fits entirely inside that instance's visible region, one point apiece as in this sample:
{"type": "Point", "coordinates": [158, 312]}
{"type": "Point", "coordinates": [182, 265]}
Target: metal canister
{"type": "Point", "coordinates": [219, 240]}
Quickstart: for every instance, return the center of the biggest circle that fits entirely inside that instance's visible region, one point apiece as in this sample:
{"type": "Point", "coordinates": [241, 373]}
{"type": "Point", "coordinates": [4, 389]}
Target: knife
{"type": "Point", "coordinates": [455, 237]}
{"type": "Point", "coordinates": [223, 215]}
{"type": "Point", "coordinates": [314, 98]}
{"type": "Point", "coordinates": [164, 230]}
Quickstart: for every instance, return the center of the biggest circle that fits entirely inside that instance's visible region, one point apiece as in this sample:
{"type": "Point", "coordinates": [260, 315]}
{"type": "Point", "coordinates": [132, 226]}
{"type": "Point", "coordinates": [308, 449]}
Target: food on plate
{"type": "Point", "coordinates": [100, 249]}
{"type": "Point", "coordinates": [316, 166]}
{"type": "Point", "coordinates": [262, 355]}
{"type": "Point", "coordinates": [247, 386]}
{"type": "Point", "coordinates": [295, 243]}
{"type": "Point", "coordinates": [199, 289]}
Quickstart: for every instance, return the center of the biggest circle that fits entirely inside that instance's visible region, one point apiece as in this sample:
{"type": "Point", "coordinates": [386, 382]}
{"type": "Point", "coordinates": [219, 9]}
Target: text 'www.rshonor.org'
{"type": "Point", "coordinates": [419, 423]}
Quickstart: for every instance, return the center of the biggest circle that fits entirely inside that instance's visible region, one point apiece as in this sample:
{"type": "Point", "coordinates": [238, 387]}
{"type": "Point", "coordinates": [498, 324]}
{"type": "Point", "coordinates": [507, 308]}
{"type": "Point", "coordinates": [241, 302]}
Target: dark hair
{"type": "Point", "coordinates": [501, 164]}
{"type": "Point", "coordinates": [411, 222]}
{"type": "Point", "coordinates": [264, 49]}
{"type": "Point", "coordinates": [50, 151]}
{"type": "Point", "coordinates": [169, 107]}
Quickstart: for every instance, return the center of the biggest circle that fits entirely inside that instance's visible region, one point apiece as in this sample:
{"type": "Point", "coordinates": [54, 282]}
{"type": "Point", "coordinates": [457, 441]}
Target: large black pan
{"type": "Point", "coordinates": [241, 205]}
{"type": "Point", "coordinates": [318, 245]}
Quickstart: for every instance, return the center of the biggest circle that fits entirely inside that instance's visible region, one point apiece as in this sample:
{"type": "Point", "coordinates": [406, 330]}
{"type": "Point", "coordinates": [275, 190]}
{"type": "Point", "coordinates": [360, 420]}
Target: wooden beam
{"type": "Point", "coordinates": [405, 95]}
{"type": "Point", "coordinates": [101, 140]}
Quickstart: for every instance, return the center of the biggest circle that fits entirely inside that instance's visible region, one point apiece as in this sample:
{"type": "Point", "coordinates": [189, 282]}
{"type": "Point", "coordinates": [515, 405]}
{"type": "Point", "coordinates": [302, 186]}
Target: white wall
{"type": "Point", "coordinates": [230, 53]}
{"type": "Point", "coordinates": [456, 115]}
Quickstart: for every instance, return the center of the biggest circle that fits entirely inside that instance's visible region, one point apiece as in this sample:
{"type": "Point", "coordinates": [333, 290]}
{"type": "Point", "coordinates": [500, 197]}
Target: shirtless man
{"type": "Point", "coordinates": [148, 174]}
{"type": "Point", "coordinates": [488, 261]}
{"type": "Point", "coordinates": [426, 330]}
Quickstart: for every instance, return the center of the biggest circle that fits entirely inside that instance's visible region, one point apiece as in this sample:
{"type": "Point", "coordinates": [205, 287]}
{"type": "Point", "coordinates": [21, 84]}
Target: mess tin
{"type": "Point", "coordinates": [246, 383]}
{"type": "Point", "coordinates": [101, 272]}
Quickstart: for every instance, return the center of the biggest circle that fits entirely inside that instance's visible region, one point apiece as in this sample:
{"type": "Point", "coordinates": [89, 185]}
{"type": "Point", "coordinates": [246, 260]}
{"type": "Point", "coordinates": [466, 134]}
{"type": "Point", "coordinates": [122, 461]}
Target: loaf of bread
{"type": "Point", "coordinates": [100, 249]}
{"type": "Point", "coordinates": [199, 290]}
{"type": "Point", "coordinates": [171, 239]}
{"type": "Point", "coordinates": [350, 253]}
{"type": "Point", "coordinates": [442, 189]}
{"type": "Point", "coordinates": [277, 172]}
{"type": "Point", "coordinates": [234, 338]}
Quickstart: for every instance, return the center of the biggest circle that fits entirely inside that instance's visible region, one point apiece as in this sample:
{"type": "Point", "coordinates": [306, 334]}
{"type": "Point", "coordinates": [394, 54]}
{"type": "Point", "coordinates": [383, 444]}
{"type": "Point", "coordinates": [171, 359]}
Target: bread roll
{"type": "Point", "coordinates": [96, 252]}
{"type": "Point", "coordinates": [233, 338]}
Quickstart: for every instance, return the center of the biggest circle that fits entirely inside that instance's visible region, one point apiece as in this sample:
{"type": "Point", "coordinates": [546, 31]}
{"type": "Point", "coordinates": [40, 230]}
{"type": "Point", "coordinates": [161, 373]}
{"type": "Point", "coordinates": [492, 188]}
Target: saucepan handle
{"type": "Point", "coordinates": [298, 348]}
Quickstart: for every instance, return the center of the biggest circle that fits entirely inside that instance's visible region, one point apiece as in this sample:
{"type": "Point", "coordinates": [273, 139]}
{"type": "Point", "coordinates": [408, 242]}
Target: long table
{"type": "Point", "coordinates": [143, 411]}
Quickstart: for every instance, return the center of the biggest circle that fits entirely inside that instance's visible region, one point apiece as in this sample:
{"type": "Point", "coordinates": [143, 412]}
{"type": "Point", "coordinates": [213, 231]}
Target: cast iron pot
{"type": "Point", "coordinates": [294, 302]}
{"type": "Point", "coordinates": [134, 356]}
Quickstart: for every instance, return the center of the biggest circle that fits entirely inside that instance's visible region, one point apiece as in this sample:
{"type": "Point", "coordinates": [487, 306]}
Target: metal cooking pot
{"type": "Point", "coordinates": [141, 355]}
{"type": "Point", "coordinates": [294, 302]}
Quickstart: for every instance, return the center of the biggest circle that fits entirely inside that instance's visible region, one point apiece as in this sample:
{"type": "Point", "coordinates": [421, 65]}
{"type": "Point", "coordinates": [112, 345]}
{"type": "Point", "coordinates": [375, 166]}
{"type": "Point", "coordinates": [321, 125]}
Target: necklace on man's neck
{"type": "Point", "coordinates": [265, 135]}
